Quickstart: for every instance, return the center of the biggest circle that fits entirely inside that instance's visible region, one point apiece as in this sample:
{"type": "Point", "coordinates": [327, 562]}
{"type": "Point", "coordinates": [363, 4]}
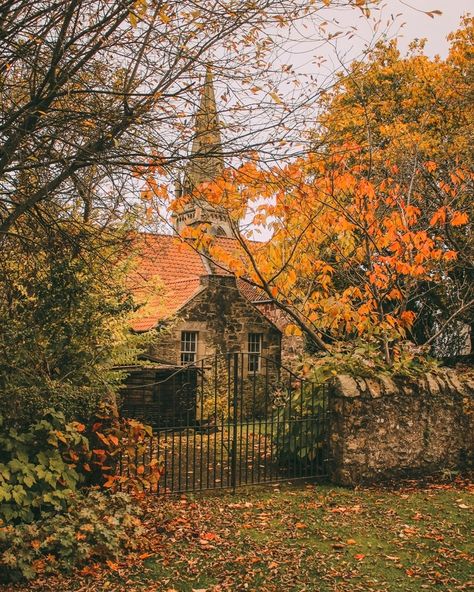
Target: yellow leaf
{"type": "Point", "coordinates": [164, 17]}
{"type": "Point", "coordinates": [276, 98]}
{"type": "Point", "coordinates": [292, 330]}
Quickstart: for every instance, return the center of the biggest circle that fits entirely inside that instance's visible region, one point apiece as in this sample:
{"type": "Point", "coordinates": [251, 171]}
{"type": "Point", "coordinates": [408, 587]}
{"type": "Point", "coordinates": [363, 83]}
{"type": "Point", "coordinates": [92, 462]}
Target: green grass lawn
{"type": "Point", "coordinates": [307, 538]}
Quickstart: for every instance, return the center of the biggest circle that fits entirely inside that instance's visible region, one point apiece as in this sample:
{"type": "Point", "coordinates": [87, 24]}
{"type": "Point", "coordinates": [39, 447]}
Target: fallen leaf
{"type": "Point", "coordinates": [113, 566]}
{"type": "Point", "coordinates": [209, 536]}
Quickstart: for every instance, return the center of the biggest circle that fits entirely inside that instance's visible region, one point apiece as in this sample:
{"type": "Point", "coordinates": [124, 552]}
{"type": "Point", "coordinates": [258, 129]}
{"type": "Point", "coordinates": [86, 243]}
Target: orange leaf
{"type": "Point", "coordinates": [209, 536]}
{"type": "Point", "coordinates": [450, 255]}
{"type": "Point", "coordinates": [459, 219]}
{"type": "Point", "coordinates": [113, 566]}
{"type": "Point", "coordinates": [114, 440]}
{"type": "Point", "coordinates": [110, 481]}
{"type": "Point", "coordinates": [104, 438]}
{"type": "Point", "coordinates": [439, 216]}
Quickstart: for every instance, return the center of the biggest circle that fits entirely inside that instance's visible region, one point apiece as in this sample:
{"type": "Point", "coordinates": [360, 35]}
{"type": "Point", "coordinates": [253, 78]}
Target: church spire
{"type": "Point", "coordinates": [206, 164]}
{"type": "Point", "coordinates": [207, 161]}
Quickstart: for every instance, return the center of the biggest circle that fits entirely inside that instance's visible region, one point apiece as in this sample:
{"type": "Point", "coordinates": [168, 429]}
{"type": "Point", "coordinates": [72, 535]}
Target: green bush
{"type": "Point", "coordinates": [37, 468]}
{"type": "Point", "coordinates": [300, 439]}
{"type": "Point", "coordinates": [96, 527]}
{"type": "Point", "coordinates": [65, 319]}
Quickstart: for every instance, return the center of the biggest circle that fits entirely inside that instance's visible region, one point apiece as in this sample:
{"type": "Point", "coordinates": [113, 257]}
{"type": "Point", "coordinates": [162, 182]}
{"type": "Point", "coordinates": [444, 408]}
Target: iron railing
{"type": "Point", "coordinates": [224, 427]}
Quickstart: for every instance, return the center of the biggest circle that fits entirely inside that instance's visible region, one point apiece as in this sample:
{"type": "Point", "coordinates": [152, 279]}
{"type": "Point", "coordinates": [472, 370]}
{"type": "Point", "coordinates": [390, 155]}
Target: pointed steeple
{"type": "Point", "coordinates": [206, 163]}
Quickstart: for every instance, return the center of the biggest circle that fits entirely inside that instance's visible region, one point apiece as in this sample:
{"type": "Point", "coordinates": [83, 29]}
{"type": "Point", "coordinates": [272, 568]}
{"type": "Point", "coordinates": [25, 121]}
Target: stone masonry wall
{"type": "Point", "coordinates": [385, 428]}
{"type": "Point", "coordinates": [292, 346]}
{"type": "Point", "coordinates": [223, 319]}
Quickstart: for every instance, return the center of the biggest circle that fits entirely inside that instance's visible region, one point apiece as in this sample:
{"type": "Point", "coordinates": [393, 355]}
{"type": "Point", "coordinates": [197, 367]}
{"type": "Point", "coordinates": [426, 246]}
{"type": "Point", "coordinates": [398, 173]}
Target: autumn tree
{"type": "Point", "coordinates": [372, 226]}
{"type": "Point", "coordinates": [413, 115]}
{"type": "Point", "coordinates": [95, 96]}
{"type": "Point", "coordinates": [93, 91]}
{"type": "Point", "coordinates": [65, 329]}
{"type": "Point", "coordinates": [347, 253]}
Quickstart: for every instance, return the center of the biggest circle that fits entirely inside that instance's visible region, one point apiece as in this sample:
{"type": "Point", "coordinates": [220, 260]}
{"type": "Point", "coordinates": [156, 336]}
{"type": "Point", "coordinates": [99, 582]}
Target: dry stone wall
{"type": "Point", "coordinates": [386, 428]}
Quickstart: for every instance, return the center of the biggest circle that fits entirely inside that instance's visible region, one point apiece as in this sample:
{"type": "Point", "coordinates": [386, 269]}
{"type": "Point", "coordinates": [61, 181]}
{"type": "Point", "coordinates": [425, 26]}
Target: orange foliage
{"type": "Point", "coordinates": [347, 250]}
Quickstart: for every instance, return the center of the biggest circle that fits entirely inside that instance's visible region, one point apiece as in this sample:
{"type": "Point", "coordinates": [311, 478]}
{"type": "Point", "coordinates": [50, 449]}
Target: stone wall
{"type": "Point", "coordinates": [223, 319]}
{"type": "Point", "coordinates": [292, 346]}
{"type": "Point", "coordinates": [385, 428]}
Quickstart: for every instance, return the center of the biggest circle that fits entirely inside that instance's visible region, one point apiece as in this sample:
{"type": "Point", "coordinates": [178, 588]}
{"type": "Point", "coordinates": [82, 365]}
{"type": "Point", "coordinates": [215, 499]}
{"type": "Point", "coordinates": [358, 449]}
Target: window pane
{"type": "Point", "coordinates": [188, 346]}
{"type": "Point", "coordinates": [254, 363]}
{"type": "Point", "coordinates": [188, 358]}
{"type": "Point", "coordinates": [254, 349]}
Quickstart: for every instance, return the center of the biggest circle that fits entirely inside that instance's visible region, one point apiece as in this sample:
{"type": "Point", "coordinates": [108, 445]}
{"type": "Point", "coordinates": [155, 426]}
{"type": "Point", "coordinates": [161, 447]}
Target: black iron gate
{"type": "Point", "coordinates": [236, 419]}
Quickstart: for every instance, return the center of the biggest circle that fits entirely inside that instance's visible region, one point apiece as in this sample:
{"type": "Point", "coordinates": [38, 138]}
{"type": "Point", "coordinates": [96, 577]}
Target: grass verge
{"type": "Point", "coordinates": [310, 538]}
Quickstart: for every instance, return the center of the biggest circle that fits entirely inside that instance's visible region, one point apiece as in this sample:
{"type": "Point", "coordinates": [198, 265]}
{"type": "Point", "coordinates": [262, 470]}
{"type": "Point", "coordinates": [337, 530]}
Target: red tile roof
{"type": "Point", "coordinates": [165, 274]}
{"type": "Point", "coordinates": [252, 293]}
{"type": "Point", "coordinates": [167, 256]}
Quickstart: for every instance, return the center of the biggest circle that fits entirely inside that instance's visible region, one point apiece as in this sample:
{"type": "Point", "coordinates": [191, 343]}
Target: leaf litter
{"type": "Point", "coordinates": [313, 538]}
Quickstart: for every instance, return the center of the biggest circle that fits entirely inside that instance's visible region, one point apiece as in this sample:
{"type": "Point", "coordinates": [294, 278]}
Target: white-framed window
{"type": "Point", "coordinates": [189, 343]}
{"type": "Point", "coordinates": [255, 351]}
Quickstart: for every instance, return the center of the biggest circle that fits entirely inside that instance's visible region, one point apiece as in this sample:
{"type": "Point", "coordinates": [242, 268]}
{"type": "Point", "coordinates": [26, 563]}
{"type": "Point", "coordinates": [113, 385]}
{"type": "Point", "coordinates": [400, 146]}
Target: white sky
{"type": "Point", "coordinates": [403, 19]}
{"type": "Point", "coordinates": [420, 25]}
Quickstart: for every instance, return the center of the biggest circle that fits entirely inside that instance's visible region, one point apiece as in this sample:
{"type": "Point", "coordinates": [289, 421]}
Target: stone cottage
{"type": "Point", "coordinates": [201, 313]}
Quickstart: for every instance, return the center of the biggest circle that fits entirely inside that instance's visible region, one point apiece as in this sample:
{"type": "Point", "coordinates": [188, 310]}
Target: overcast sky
{"type": "Point", "coordinates": [434, 29]}
{"type": "Point", "coordinates": [403, 19]}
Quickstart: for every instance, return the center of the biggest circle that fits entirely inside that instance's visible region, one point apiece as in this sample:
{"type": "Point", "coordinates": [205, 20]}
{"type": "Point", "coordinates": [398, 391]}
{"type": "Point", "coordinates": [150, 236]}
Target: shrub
{"type": "Point", "coordinates": [37, 468]}
{"type": "Point", "coordinates": [127, 443]}
{"type": "Point", "coordinates": [300, 439]}
{"type": "Point", "coordinates": [41, 466]}
{"type": "Point", "coordinates": [97, 527]}
{"type": "Point", "coordinates": [65, 319]}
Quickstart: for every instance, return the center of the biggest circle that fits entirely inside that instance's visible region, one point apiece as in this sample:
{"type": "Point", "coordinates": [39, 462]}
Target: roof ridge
{"type": "Point", "coordinates": [191, 278]}
{"type": "Point", "coordinates": [188, 240]}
